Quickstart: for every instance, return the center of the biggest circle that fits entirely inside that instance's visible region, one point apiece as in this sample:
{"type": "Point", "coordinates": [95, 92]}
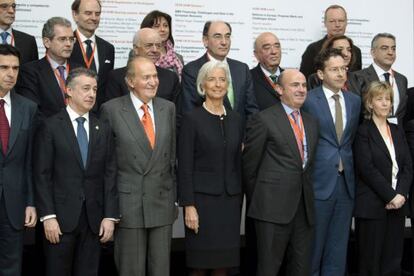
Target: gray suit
{"type": "Point", "coordinates": [146, 184]}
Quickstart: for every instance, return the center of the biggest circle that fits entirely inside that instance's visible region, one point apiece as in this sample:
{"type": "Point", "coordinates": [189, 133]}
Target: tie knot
{"type": "Point", "coordinates": [145, 108]}
{"type": "Point", "coordinates": [80, 120]}
{"type": "Point", "coordinates": [336, 97]}
{"type": "Point", "coordinates": [295, 115]}
{"type": "Point", "coordinates": [88, 42]}
{"type": "Point", "coordinates": [274, 78]}
{"type": "Point", "coordinates": [387, 77]}
{"type": "Point", "coordinates": [2, 102]}
{"type": "Point", "coordinates": [4, 36]}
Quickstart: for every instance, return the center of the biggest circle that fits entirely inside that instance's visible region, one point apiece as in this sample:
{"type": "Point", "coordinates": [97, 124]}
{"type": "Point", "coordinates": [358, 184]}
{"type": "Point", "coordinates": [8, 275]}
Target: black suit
{"type": "Point", "coordinates": [38, 82]}
{"type": "Point", "coordinates": [106, 57]}
{"type": "Point", "coordinates": [16, 191]}
{"type": "Point", "coordinates": [380, 232]}
{"type": "Point", "coordinates": [26, 44]}
{"type": "Point", "coordinates": [279, 190]}
{"type": "Point", "coordinates": [168, 89]}
{"type": "Point", "coordinates": [307, 65]}
{"type": "Point", "coordinates": [266, 96]}
{"type": "Point", "coordinates": [79, 197]}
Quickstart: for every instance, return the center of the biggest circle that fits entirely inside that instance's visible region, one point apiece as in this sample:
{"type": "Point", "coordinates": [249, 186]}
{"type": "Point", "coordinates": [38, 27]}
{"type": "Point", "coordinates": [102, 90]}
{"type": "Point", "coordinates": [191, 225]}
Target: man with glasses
{"type": "Point", "coordinates": [90, 50]}
{"type": "Point", "coordinates": [335, 21]}
{"type": "Point", "coordinates": [25, 43]}
{"type": "Point", "coordinates": [240, 94]}
{"type": "Point", "coordinates": [333, 176]}
{"type": "Point", "coordinates": [146, 43]}
{"type": "Point", "coordinates": [43, 81]}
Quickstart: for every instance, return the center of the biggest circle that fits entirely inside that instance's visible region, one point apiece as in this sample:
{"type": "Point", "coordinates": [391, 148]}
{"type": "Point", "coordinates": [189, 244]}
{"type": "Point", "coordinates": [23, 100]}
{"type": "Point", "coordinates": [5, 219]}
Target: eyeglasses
{"type": "Point", "coordinates": [6, 6]}
{"type": "Point", "coordinates": [63, 39]}
{"type": "Point", "coordinates": [337, 70]}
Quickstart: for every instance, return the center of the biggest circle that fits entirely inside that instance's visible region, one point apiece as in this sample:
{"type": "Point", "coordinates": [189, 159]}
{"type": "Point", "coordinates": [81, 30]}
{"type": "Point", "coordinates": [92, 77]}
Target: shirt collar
{"type": "Point", "coordinates": [380, 71]}
{"type": "Point", "coordinates": [73, 115]}
{"type": "Point", "coordinates": [9, 30]}
{"type": "Point", "coordinates": [7, 99]}
{"type": "Point", "coordinates": [54, 64]}
{"type": "Point", "coordinates": [288, 109]}
{"type": "Point", "coordinates": [138, 103]}
{"type": "Point", "coordinates": [329, 93]}
{"type": "Point", "coordinates": [83, 38]}
{"type": "Point", "coordinates": [212, 58]}
{"type": "Point", "coordinates": [267, 72]}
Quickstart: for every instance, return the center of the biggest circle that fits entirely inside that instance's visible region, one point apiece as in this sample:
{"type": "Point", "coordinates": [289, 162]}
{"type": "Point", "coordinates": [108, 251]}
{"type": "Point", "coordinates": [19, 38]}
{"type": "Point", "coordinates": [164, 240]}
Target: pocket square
{"type": "Point", "coordinates": [107, 61]}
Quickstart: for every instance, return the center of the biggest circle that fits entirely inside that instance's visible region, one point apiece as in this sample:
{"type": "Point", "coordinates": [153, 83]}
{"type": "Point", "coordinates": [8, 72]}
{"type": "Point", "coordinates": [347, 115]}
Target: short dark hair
{"type": "Point", "coordinates": [153, 17]}
{"type": "Point", "coordinates": [76, 4]}
{"type": "Point", "coordinates": [324, 56]}
{"type": "Point", "coordinates": [208, 24]}
{"type": "Point", "coordinates": [9, 50]}
{"type": "Point", "coordinates": [330, 42]}
{"type": "Point", "coordinates": [381, 35]}
{"type": "Point", "coordinates": [80, 71]}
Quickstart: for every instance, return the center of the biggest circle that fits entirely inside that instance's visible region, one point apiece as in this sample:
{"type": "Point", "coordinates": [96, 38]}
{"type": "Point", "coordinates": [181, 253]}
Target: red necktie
{"type": "Point", "coordinates": [148, 126]}
{"type": "Point", "coordinates": [4, 128]}
{"type": "Point", "coordinates": [299, 138]}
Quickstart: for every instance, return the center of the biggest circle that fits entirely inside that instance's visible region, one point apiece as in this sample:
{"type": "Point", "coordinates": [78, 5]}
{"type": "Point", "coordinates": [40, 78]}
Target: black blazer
{"type": "Point", "coordinates": [273, 175]}
{"type": "Point", "coordinates": [63, 185]}
{"type": "Point", "coordinates": [26, 44]}
{"type": "Point", "coordinates": [373, 170]}
{"type": "Point", "coordinates": [16, 166]}
{"type": "Point", "coordinates": [307, 65]}
{"type": "Point", "coordinates": [168, 88]}
{"type": "Point", "coordinates": [38, 82]}
{"type": "Point", "coordinates": [266, 96]}
{"type": "Point", "coordinates": [409, 128]}
{"type": "Point", "coordinates": [106, 56]}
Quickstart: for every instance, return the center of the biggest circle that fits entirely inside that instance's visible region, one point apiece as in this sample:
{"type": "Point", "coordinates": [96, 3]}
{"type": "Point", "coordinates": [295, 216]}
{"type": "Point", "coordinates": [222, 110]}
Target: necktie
{"type": "Point", "coordinates": [4, 128]}
{"type": "Point", "coordinates": [61, 70]}
{"type": "Point", "coordinates": [89, 53]}
{"type": "Point", "coordinates": [230, 94]}
{"type": "Point", "coordinates": [387, 77]}
{"type": "Point", "coordinates": [295, 116]}
{"type": "Point", "coordinates": [148, 126]}
{"type": "Point", "coordinates": [338, 124]}
{"type": "Point", "coordinates": [82, 139]}
{"type": "Point", "coordinates": [274, 78]}
{"type": "Point", "coordinates": [4, 36]}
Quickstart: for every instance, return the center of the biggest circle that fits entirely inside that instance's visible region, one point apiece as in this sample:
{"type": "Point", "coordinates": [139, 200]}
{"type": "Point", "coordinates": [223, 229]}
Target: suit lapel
{"type": "Point", "coordinates": [349, 110]}
{"type": "Point", "coordinates": [326, 115]}
{"type": "Point", "coordinates": [310, 136]}
{"type": "Point", "coordinates": [401, 88]}
{"type": "Point", "coordinates": [50, 78]}
{"type": "Point", "coordinates": [69, 136]}
{"type": "Point", "coordinates": [93, 133]}
{"type": "Point", "coordinates": [130, 116]}
{"type": "Point", "coordinates": [160, 125]}
{"type": "Point", "coordinates": [377, 138]}
{"type": "Point", "coordinates": [101, 54]}
{"type": "Point", "coordinates": [16, 120]}
{"type": "Point", "coordinates": [234, 76]}
{"type": "Point", "coordinates": [372, 74]}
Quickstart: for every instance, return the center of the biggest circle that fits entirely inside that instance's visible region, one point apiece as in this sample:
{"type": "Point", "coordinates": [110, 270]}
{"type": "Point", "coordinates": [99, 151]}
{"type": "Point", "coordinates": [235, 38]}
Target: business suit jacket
{"type": "Point", "coordinates": [145, 177]}
{"type": "Point", "coordinates": [16, 166]}
{"type": "Point", "coordinates": [62, 183]}
{"type": "Point", "coordinates": [307, 65]}
{"type": "Point", "coordinates": [273, 175]}
{"type": "Point", "coordinates": [169, 86]}
{"type": "Point", "coordinates": [409, 129]}
{"type": "Point", "coordinates": [26, 44]}
{"type": "Point", "coordinates": [106, 57]}
{"type": "Point", "coordinates": [244, 99]}
{"type": "Point", "coordinates": [374, 168]}
{"type": "Point", "coordinates": [330, 150]}
{"type": "Point", "coordinates": [266, 96]}
{"type": "Point", "coordinates": [38, 82]}
{"type": "Point", "coordinates": [361, 80]}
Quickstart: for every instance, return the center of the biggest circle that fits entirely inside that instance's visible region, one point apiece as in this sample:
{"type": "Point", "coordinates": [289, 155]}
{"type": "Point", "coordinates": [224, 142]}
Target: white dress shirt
{"type": "Point", "coordinates": [73, 116]}
{"type": "Point", "coordinates": [9, 39]}
{"type": "Point", "coordinates": [137, 105]}
{"type": "Point", "coordinates": [331, 102]}
{"type": "Point", "coordinates": [93, 39]}
{"type": "Point", "coordinates": [396, 95]}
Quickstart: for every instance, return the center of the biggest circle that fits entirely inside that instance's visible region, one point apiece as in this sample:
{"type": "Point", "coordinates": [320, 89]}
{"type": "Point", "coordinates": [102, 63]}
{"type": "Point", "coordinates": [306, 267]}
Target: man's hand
{"type": "Point", "coordinates": [30, 217]}
{"type": "Point", "coordinates": [52, 230]}
{"type": "Point", "coordinates": [106, 230]}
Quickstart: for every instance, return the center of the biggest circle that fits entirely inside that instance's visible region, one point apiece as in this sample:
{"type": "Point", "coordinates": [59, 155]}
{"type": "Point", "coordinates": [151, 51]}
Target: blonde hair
{"type": "Point", "coordinates": [376, 88]}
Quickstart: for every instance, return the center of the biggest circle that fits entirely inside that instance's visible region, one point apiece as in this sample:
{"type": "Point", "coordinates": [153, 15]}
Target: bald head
{"type": "Point", "coordinates": [292, 88]}
{"type": "Point", "coordinates": [268, 51]}
{"type": "Point", "coordinates": [147, 43]}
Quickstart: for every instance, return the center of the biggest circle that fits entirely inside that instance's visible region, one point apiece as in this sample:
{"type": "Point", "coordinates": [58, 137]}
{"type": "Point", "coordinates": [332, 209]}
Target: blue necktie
{"type": "Point", "coordinates": [61, 70]}
{"type": "Point", "coordinates": [82, 140]}
{"type": "Point", "coordinates": [4, 36]}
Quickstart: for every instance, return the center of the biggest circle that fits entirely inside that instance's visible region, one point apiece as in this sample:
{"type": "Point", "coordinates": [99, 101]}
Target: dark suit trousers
{"type": "Point", "coordinates": [11, 245]}
{"type": "Point", "coordinates": [380, 245]}
{"type": "Point", "coordinates": [293, 239]}
{"type": "Point", "coordinates": [77, 253]}
{"type": "Point", "coordinates": [332, 224]}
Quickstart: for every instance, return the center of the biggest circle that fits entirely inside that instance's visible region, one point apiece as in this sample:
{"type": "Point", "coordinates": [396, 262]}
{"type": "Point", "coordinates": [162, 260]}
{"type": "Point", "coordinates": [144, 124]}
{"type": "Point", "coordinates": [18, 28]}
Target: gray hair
{"type": "Point", "coordinates": [48, 30]}
{"type": "Point", "coordinates": [380, 35]}
{"type": "Point", "coordinates": [77, 72]}
{"type": "Point", "coordinates": [206, 69]}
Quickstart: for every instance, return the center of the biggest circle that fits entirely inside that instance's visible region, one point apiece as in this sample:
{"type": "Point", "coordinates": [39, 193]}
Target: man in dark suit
{"type": "Point", "coordinates": [240, 94]}
{"type": "Point", "coordinates": [383, 52]}
{"type": "Point", "coordinates": [268, 53]}
{"type": "Point", "coordinates": [144, 127]}
{"type": "Point", "coordinates": [333, 175]}
{"type": "Point", "coordinates": [16, 192]}
{"type": "Point", "coordinates": [335, 21]}
{"type": "Point", "coordinates": [75, 173]}
{"type": "Point", "coordinates": [277, 160]}
{"type": "Point", "coordinates": [25, 43]}
{"type": "Point", "coordinates": [146, 43]}
{"type": "Point", "coordinates": [90, 50]}
{"type": "Point", "coordinates": [43, 81]}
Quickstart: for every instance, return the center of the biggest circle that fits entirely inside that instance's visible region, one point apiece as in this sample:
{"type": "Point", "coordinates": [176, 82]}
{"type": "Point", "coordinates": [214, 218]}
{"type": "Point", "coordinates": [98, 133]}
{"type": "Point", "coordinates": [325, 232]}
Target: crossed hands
{"type": "Point", "coordinates": [396, 203]}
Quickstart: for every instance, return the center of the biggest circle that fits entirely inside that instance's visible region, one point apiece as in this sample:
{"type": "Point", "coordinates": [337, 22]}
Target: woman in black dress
{"type": "Point", "coordinates": [209, 173]}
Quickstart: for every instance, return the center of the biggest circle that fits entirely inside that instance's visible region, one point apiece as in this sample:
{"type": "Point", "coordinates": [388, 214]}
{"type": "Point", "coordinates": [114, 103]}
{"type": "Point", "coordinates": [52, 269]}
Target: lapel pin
{"type": "Point", "coordinates": [97, 127]}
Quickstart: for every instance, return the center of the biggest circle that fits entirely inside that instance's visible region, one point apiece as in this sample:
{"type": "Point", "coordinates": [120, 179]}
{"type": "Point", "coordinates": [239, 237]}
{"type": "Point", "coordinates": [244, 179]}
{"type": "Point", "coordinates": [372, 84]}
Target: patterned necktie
{"type": "Point", "coordinates": [4, 128]}
{"type": "Point", "coordinates": [339, 125]}
{"type": "Point", "coordinates": [61, 70]}
{"type": "Point", "coordinates": [89, 53]}
{"type": "Point", "coordinates": [4, 36]}
{"type": "Point", "coordinates": [295, 116]}
{"type": "Point", "coordinates": [82, 138]}
{"type": "Point", "coordinates": [148, 126]}
{"type": "Point", "coordinates": [274, 78]}
{"type": "Point", "coordinates": [387, 77]}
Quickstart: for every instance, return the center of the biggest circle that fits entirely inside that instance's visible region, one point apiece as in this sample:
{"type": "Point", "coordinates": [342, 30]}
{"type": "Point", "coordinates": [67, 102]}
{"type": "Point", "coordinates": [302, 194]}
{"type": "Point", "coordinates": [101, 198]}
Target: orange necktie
{"type": "Point", "coordinates": [148, 126]}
